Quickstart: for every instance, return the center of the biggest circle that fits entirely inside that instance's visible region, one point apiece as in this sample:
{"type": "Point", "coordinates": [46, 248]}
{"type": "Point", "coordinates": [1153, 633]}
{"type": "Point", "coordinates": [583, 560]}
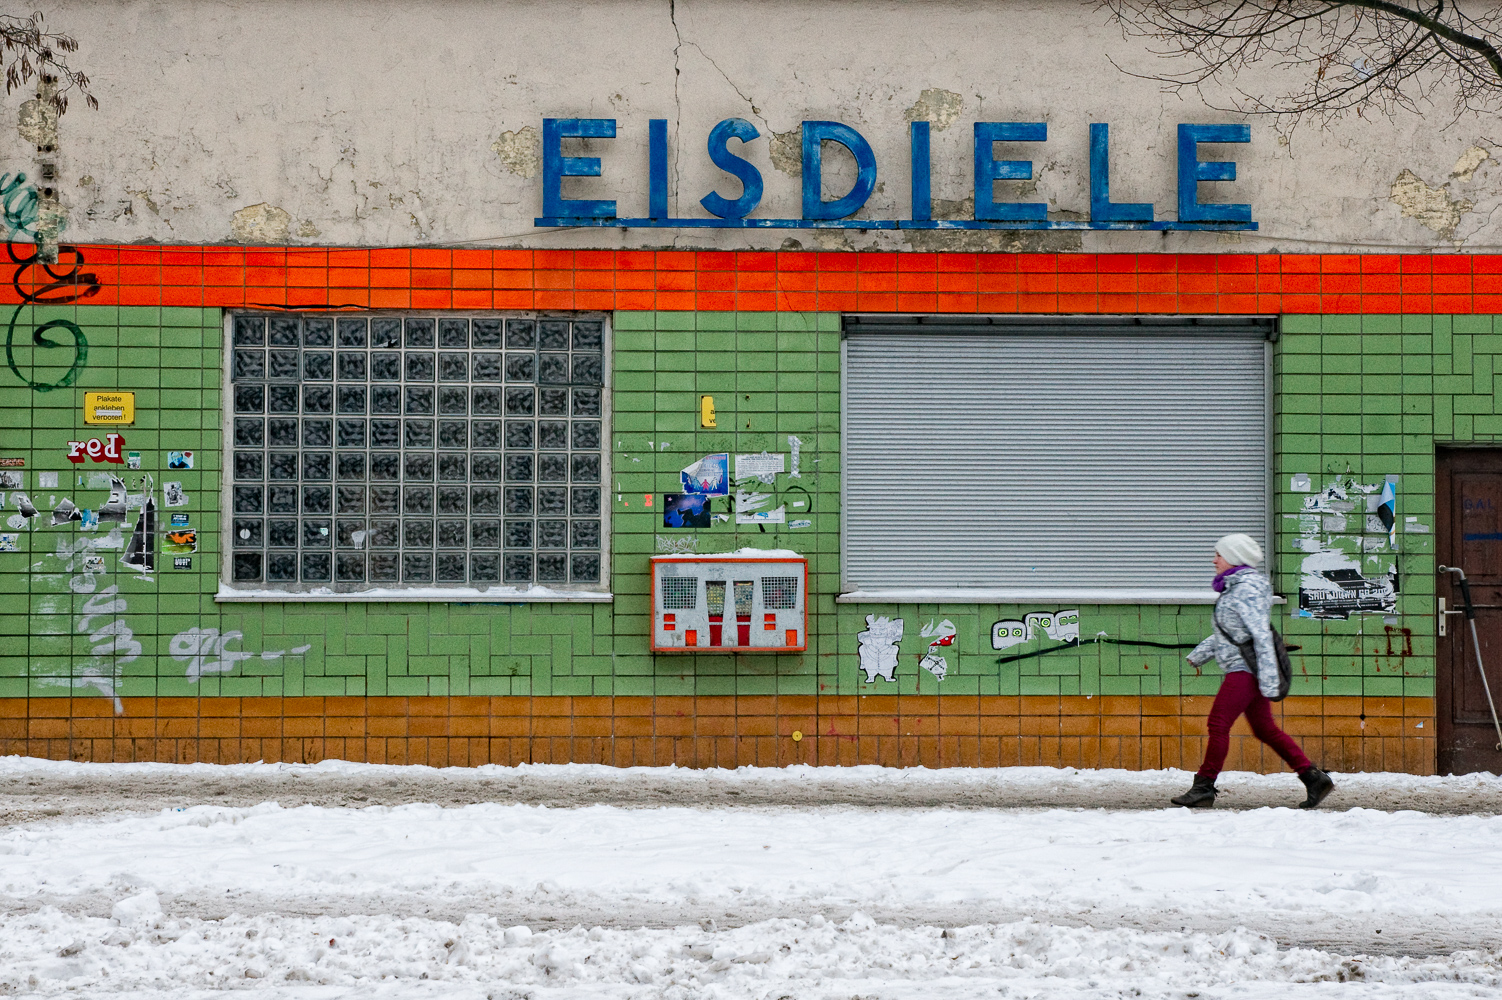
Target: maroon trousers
{"type": "Point", "coordinates": [1238, 694]}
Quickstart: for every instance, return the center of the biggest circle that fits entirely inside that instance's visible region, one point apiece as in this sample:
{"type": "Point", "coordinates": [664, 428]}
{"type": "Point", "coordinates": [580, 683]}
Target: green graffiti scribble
{"type": "Point", "coordinates": [19, 203]}
{"type": "Point", "coordinates": [64, 287]}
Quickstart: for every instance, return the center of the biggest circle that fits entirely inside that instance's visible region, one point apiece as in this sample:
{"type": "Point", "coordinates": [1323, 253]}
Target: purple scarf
{"type": "Point", "coordinates": [1220, 578]}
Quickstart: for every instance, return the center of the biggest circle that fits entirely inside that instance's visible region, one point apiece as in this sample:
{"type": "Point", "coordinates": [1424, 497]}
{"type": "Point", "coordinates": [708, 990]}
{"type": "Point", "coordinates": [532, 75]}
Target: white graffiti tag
{"type": "Point", "coordinates": [206, 651]}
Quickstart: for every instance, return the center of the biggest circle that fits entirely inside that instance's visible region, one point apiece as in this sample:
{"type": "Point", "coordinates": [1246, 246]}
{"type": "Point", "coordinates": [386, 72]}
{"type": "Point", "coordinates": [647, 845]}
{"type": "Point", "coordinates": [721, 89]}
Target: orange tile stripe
{"type": "Point", "coordinates": [239, 277]}
{"type": "Point", "coordinates": [1342, 733]}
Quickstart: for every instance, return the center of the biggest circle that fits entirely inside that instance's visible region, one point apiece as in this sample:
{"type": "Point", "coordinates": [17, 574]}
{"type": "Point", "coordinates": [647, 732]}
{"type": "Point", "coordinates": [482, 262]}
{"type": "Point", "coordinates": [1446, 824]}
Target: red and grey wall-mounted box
{"type": "Point", "coordinates": [730, 603]}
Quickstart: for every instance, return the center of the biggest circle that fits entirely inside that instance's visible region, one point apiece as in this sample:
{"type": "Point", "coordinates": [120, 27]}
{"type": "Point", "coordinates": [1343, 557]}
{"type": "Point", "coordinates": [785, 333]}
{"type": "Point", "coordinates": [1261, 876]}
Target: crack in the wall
{"type": "Point", "coordinates": [738, 92]}
{"type": "Point", "coordinates": [677, 101]}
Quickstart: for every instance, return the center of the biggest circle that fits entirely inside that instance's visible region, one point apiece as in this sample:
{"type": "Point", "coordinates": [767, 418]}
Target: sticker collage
{"type": "Point", "coordinates": [710, 479]}
{"type": "Point", "coordinates": [1349, 533]}
{"type": "Point", "coordinates": [126, 499]}
{"type": "Point", "coordinates": [880, 657]}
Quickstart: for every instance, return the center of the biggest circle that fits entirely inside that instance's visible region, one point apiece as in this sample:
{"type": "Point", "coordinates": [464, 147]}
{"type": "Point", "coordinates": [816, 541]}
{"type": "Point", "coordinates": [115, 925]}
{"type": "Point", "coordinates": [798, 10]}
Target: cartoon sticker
{"type": "Point", "coordinates": [1066, 626]}
{"type": "Point", "coordinates": [1008, 633]}
{"type": "Point", "coordinates": [878, 647]}
{"type": "Point", "coordinates": [939, 636]}
{"type": "Point", "coordinates": [177, 460]}
{"type": "Point", "coordinates": [1038, 623]}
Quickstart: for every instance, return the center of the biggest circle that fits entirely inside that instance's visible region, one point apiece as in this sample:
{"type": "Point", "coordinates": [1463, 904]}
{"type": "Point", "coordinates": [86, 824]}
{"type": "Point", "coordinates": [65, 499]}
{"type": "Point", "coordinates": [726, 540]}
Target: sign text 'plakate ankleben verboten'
{"type": "Point", "coordinates": [821, 214]}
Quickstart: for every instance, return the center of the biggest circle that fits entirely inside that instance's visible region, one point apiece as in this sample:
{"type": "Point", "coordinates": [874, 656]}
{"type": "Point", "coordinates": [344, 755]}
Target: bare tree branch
{"type": "Point", "coordinates": [1343, 55]}
{"type": "Point", "coordinates": [27, 51]}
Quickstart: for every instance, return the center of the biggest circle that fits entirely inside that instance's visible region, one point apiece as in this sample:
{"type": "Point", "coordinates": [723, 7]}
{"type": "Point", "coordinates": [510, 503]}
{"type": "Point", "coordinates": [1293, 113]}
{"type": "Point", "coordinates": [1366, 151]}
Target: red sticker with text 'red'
{"type": "Point", "coordinates": [108, 450]}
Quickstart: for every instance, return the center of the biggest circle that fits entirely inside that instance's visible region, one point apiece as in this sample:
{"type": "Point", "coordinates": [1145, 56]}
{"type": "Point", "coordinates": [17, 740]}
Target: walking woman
{"type": "Point", "coordinates": [1241, 613]}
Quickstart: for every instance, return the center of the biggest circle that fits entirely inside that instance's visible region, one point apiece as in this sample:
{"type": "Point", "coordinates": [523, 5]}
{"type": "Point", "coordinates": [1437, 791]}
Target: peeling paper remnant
{"type": "Point", "coordinates": [795, 445]}
{"type": "Point", "coordinates": [878, 647]}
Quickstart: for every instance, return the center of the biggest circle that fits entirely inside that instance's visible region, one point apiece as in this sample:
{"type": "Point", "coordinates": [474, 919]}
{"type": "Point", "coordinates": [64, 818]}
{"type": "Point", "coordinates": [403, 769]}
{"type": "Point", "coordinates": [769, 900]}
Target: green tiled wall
{"type": "Point", "coordinates": [1368, 396]}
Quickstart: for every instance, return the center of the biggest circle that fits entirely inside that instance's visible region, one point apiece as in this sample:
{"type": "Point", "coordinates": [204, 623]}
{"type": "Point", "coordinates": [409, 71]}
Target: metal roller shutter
{"type": "Point", "coordinates": [1095, 454]}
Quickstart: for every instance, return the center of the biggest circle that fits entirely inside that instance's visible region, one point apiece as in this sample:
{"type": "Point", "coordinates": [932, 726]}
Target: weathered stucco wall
{"type": "Point", "coordinates": [331, 122]}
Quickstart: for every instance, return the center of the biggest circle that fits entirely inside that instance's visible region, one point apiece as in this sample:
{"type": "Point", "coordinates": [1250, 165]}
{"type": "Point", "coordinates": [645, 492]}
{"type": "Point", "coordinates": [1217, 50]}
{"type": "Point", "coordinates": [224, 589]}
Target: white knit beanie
{"type": "Point", "coordinates": [1239, 550]}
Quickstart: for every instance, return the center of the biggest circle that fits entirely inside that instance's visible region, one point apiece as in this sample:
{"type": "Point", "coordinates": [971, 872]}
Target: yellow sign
{"type": "Point", "coordinates": [109, 407]}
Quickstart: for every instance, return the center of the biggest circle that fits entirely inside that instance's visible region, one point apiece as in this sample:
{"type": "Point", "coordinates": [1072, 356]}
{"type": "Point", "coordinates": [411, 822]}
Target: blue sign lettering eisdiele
{"type": "Point", "coordinates": [726, 213]}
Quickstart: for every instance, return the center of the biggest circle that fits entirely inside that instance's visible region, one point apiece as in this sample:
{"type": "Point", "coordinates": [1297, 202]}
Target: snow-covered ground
{"type": "Point", "coordinates": [508, 900]}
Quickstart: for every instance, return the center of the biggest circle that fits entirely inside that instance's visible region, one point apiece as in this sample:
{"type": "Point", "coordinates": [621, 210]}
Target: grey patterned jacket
{"type": "Point", "coordinates": [1243, 610]}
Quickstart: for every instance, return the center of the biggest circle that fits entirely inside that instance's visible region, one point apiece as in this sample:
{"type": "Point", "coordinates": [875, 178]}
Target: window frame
{"type": "Point", "coordinates": [229, 591]}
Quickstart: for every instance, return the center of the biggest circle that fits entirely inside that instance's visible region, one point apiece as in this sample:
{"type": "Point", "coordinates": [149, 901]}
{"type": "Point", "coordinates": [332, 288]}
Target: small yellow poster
{"type": "Point", "coordinates": [109, 407]}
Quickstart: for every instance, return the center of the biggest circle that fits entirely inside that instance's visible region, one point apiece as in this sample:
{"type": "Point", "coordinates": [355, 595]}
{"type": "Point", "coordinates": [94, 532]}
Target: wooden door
{"type": "Point", "coordinates": [1469, 535]}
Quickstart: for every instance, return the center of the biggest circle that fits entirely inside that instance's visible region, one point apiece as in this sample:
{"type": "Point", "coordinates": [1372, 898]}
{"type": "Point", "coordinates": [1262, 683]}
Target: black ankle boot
{"type": "Point", "coordinates": [1319, 785]}
{"type": "Point", "coordinates": [1201, 794]}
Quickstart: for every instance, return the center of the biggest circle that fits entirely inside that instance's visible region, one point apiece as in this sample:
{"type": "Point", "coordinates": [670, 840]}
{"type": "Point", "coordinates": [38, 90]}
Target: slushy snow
{"type": "Point", "coordinates": [513, 901]}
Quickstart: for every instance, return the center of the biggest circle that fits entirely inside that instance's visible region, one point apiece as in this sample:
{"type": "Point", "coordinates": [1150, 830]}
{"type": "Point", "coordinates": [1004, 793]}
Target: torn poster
{"type": "Point", "coordinates": [1008, 633]}
{"type": "Point", "coordinates": [878, 647]}
{"type": "Point", "coordinates": [686, 510]}
{"type": "Point", "coordinates": [23, 504]}
{"type": "Point", "coordinates": [778, 515]}
{"type": "Point", "coordinates": [1332, 585]}
{"type": "Point", "coordinates": [750, 501]}
{"type": "Point", "coordinates": [11, 480]}
{"type": "Point", "coordinates": [114, 508]}
{"type": "Point", "coordinates": [173, 495]}
{"type": "Point", "coordinates": [64, 512]}
{"type": "Point", "coordinates": [795, 445]}
{"type": "Point", "coordinates": [10, 543]}
{"type": "Point", "coordinates": [1299, 483]}
{"type": "Point", "coordinates": [709, 476]}
{"type": "Point", "coordinates": [1333, 499]}
{"type": "Point", "coordinates": [1387, 510]}
{"type": "Point", "coordinates": [939, 636]}
{"type": "Point", "coordinates": [763, 467]}
{"type": "Point", "coordinates": [140, 551]}
{"type": "Point", "coordinates": [46, 480]}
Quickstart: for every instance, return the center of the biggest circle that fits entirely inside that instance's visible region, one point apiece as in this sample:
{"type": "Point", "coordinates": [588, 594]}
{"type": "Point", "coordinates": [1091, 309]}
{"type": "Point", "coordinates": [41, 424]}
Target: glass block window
{"type": "Point", "coordinates": [407, 451]}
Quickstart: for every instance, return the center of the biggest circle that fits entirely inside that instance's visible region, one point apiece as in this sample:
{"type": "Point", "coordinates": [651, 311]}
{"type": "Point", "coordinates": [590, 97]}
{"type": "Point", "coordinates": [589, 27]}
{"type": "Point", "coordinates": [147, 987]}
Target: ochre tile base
{"type": "Point", "coordinates": [1342, 734]}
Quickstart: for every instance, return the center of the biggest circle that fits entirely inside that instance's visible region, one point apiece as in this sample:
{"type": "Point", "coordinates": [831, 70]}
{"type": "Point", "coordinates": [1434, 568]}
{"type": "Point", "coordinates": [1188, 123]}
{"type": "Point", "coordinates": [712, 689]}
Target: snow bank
{"type": "Point", "coordinates": [48, 952]}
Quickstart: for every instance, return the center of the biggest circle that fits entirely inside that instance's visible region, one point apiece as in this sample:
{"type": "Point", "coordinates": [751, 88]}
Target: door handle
{"type": "Point", "coordinates": [1444, 616]}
